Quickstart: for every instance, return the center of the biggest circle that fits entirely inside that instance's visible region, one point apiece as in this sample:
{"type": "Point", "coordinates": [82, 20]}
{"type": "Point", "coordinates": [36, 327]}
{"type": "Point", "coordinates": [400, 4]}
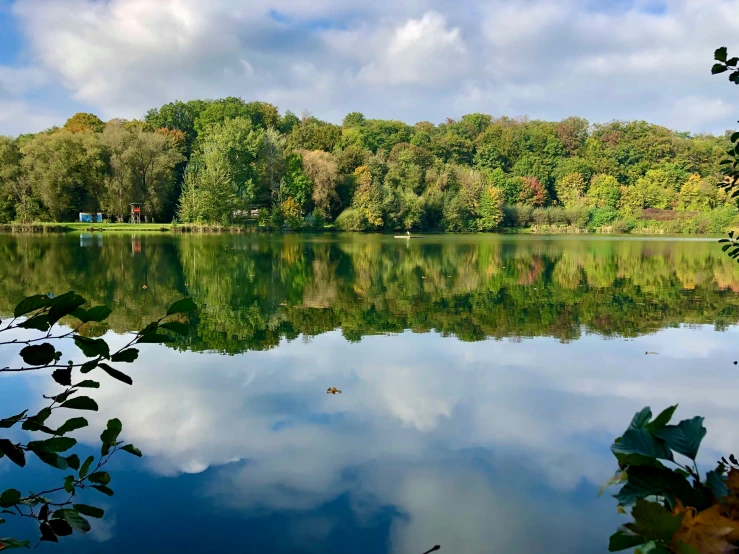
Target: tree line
{"type": "Point", "coordinates": [228, 161]}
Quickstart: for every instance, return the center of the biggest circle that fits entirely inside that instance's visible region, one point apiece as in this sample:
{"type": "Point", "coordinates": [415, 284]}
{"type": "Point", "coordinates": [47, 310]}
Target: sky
{"type": "Point", "coordinates": [414, 60]}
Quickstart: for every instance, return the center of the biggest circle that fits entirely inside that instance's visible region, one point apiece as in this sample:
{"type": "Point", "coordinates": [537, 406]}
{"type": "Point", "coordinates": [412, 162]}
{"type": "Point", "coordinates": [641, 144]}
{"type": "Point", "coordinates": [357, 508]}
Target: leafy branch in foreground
{"type": "Point", "coordinates": [54, 509]}
{"type": "Point", "coordinates": [673, 510]}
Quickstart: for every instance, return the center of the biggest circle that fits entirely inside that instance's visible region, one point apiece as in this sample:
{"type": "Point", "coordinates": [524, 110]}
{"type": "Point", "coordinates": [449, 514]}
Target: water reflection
{"type": "Point", "coordinates": [482, 446]}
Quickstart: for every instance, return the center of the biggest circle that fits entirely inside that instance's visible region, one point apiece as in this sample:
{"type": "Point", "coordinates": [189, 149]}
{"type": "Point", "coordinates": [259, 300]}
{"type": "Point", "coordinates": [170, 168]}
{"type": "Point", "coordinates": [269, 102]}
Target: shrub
{"type": "Point", "coordinates": [578, 216]}
{"type": "Point", "coordinates": [723, 218]}
{"type": "Point", "coordinates": [521, 215]}
{"type": "Point", "coordinates": [623, 225]}
{"type": "Point", "coordinates": [602, 216]}
{"type": "Point", "coordinates": [558, 216]}
{"type": "Point", "coordinates": [351, 220]}
{"type": "Point", "coordinates": [540, 216]}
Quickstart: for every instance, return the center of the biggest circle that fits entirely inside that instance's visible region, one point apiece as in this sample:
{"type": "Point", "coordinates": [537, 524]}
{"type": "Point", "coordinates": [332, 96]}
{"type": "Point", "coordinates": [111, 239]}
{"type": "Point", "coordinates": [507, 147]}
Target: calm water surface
{"type": "Point", "coordinates": [484, 379]}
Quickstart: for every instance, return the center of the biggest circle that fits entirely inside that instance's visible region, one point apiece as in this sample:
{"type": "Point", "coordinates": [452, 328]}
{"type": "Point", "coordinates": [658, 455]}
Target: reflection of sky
{"type": "Point", "coordinates": [480, 447]}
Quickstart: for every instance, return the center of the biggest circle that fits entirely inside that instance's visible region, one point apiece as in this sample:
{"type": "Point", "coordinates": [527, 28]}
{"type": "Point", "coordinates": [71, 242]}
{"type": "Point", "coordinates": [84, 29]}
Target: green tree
{"type": "Point", "coordinates": [491, 209]}
{"type": "Point", "coordinates": [84, 122]}
{"type": "Point", "coordinates": [604, 192]}
{"type": "Point", "coordinates": [570, 189]}
{"type": "Point", "coordinates": [321, 168]}
{"type": "Point", "coordinates": [10, 172]}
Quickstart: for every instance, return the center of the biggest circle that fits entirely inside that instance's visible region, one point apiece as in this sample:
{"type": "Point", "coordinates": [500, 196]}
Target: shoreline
{"type": "Point", "coordinates": [75, 227]}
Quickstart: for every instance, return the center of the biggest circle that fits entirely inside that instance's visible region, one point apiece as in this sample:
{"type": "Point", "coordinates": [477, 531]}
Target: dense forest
{"type": "Point", "coordinates": [231, 162]}
{"type": "Point", "coordinates": [254, 292]}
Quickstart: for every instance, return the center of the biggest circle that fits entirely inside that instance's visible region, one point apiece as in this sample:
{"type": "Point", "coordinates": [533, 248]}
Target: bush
{"type": "Point", "coordinates": [517, 215]}
{"type": "Point", "coordinates": [351, 220]}
{"type": "Point", "coordinates": [578, 216]}
{"type": "Point", "coordinates": [600, 217]}
{"type": "Point", "coordinates": [723, 218]}
{"type": "Point", "coordinates": [557, 215]}
{"type": "Point", "coordinates": [540, 216]}
{"type": "Point", "coordinates": [623, 225]}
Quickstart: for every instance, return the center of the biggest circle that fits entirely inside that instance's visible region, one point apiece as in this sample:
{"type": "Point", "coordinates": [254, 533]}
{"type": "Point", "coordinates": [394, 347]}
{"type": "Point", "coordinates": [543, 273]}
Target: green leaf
{"type": "Point", "coordinates": [110, 435]}
{"type": "Point", "coordinates": [654, 522]}
{"type": "Point", "coordinates": [154, 338]}
{"type": "Point", "coordinates": [63, 376]}
{"type": "Point", "coordinates": [624, 539]}
{"type": "Point", "coordinates": [176, 327]}
{"type": "Point", "coordinates": [718, 68]}
{"type": "Point", "coordinates": [103, 489]}
{"type": "Point", "coordinates": [662, 419]}
{"type": "Point", "coordinates": [718, 486]}
{"type": "Point", "coordinates": [57, 444]}
{"type": "Point", "coordinates": [683, 548]}
{"type": "Point", "coordinates": [685, 437]}
{"type": "Point", "coordinates": [39, 322]}
{"type": "Point", "coordinates": [86, 466]}
{"type": "Point", "coordinates": [87, 385]}
{"type": "Point", "coordinates": [131, 449]}
{"type": "Point", "coordinates": [51, 458]}
{"type": "Point", "coordinates": [645, 481]}
{"type": "Point", "coordinates": [129, 355]}
{"type": "Point", "coordinates": [92, 347]}
{"type": "Point", "coordinates": [7, 423]}
{"type": "Point", "coordinates": [72, 425]}
{"type": "Point", "coordinates": [100, 478]}
{"type": "Point", "coordinates": [38, 354]}
{"type": "Point", "coordinates": [115, 374]}
{"type": "Point", "coordinates": [14, 454]}
{"type": "Point", "coordinates": [73, 461]}
{"type": "Point", "coordinates": [64, 304]}
{"type": "Point", "coordinates": [74, 519]}
{"type": "Point", "coordinates": [720, 54]}
{"type": "Point", "coordinates": [735, 136]}
{"type": "Point", "coordinates": [97, 314]}
{"type": "Point", "coordinates": [90, 511]}
{"type": "Point", "coordinates": [31, 304]}
{"type": "Point", "coordinates": [182, 306]}
{"type": "Point", "coordinates": [617, 479]}
{"type": "Point", "coordinates": [14, 543]}
{"type": "Point", "coordinates": [641, 441]}
{"type": "Point", "coordinates": [81, 403]}
{"type": "Point", "coordinates": [10, 498]}
{"type": "Point", "coordinates": [69, 483]}
{"type": "Point", "coordinates": [641, 418]}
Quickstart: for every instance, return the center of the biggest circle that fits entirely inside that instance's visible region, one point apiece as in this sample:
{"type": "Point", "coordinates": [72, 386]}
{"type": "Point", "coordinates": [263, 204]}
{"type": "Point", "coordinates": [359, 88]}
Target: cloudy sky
{"type": "Point", "coordinates": [412, 60]}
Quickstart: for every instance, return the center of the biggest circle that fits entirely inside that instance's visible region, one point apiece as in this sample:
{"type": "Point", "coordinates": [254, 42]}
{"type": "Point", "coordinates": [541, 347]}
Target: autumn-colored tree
{"type": "Point", "coordinates": [532, 192]}
{"type": "Point", "coordinates": [491, 209]}
{"type": "Point", "coordinates": [322, 170]}
{"type": "Point", "coordinates": [84, 122]}
{"type": "Point", "coordinates": [368, 197]}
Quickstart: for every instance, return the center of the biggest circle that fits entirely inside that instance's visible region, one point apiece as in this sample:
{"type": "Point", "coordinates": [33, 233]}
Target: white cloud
{"type": "Point", "coordinates": [425, 59]}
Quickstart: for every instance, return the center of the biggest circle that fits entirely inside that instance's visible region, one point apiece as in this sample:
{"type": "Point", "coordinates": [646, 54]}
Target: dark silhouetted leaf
{"type": "Point", "coordinates": [131, 449]}
{"type": "Point", "coordinates": [717, 484]}
{"type": "Point", "coordinates": [110, 435]}
{"type": "Point", "coordinates": [64, 304]}
{"type": "Point", "coordinates": [38, 354]}
{"type": "Point", "coordinates": [7, 423]}
{"type": "Point", "coordinates": [39, 322]}
{"type": "Point", "coordinates": [72, 425]}
{"type": "Point", "coordinates": [81, 403]}
{"type": "Point", "coordinates": [129, 355]}
{"type": "Point", "coordinates": [60, 527]}
{"type": "Point", "coordinates": [182, 306]}
{"type": "Point", "coordinates": [662, 419]}
{"type": "Point", "coordinates": [63, 376]}
{"type": "Point", "coordinates": [720, 54]}
{"type": "Point", "coordinates": [155, 338]}
{"type": "Point", "coordinates": [92, 347]}
{"type": "Point", "coordinates": [88, 385]}
{"type": "Point", "coordinates": [115, 374]}
{"type": "Point", "coordinates": [9, 498]}
{"type": "Point", "coordinates": [31, 304]}
{"type": "Point", "coordinates": [103, 489]}
{"type": "Point", "coordinates": [57, 444]}
{"type": "Point", "coordinates": [73, 461]}
{"type": "Point", "coordinates": [718, 68]}
{"type": "Point", "coordinates": [641, 418]}
{"type": "Point", "coordinates": [100, 478]}
{"type": "Point", "coordinates": [654, 522]}
{"type": "Point", "coordinates": [87, 367]}
{"type": "Point", "coordinates": [97, 314]}
{"type": "Point", "coordinates": [14, 454]}
{"type": "Point", "coordinates": [176, 327]}
{"type": "Point", "coordinates": [47, 534]}
{"type": "Point", "coordinates": [90, 511]}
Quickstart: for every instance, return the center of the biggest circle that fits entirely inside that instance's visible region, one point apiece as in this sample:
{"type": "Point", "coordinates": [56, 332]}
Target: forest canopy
{"type": "Point", "coordinates": [229, 161]}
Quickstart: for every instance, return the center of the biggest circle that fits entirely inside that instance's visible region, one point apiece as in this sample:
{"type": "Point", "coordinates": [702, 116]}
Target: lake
{"type": "Point", "coordinates": [483, 380]}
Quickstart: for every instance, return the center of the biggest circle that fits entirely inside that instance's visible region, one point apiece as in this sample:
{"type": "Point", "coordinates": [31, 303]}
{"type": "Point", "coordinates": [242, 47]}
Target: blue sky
{"type": "Point", "coordinates": [416, 60]}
